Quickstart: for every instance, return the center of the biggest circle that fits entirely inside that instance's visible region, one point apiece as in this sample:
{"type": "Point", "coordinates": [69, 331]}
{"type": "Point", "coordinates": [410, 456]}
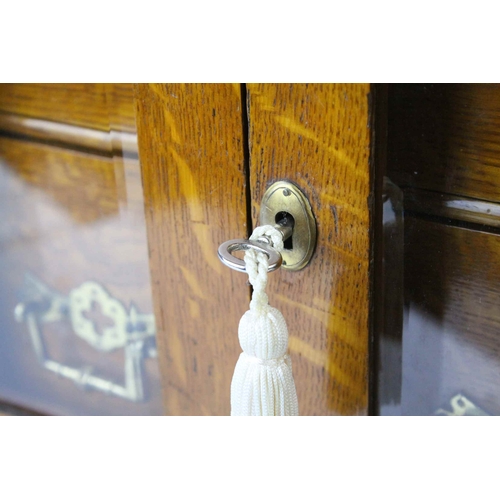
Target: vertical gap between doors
{"type": "Point", "coordinates": [246, 162]}
{"type": "Point", "coordinates": [246, 156]}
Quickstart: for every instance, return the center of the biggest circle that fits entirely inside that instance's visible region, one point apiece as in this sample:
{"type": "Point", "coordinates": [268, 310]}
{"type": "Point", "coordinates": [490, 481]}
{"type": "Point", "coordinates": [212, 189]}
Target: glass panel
{"type": "Point", "coordinates": [391, 301]}
{"type": "Point", "coordinates": [442, 155]}
{"type": "Point", "coordinates": [451, 344]}
{"type": "Point", "coordinates": [76, 315]}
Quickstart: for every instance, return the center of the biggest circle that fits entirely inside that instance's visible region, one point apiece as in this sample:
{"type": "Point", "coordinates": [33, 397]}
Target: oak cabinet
{"type": "Point", "coordinates": [115, 197]}
{"type": "Point", "coordinates": [76, 212]}
{"type": "Point", "coordinates": [208, 152]}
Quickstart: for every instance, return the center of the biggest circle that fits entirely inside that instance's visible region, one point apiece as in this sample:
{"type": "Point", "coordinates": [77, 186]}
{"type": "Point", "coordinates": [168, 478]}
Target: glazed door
{"type": "Point", "coordinates": [115, 198]}
{"type": "Point", "coordinates": [208, 152]}
{"type": "Point", "coordinates": [113, 298]}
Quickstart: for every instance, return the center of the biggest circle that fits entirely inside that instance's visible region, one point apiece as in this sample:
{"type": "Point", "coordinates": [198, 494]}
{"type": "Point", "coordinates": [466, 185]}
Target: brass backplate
{"type": "Point", "coordinates": [284, 197]}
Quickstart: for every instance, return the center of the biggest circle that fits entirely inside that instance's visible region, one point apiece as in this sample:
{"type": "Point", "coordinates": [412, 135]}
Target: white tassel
{"type": "Point", "coordinates": [262, 383]}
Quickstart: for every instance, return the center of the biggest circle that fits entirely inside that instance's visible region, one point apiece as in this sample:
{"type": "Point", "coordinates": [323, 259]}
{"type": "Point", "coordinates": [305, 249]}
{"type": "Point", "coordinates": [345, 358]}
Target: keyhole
{"type": "Point", "coordinates": [99, 320]}
{"type": "Point", "coordinates": [286, 219]}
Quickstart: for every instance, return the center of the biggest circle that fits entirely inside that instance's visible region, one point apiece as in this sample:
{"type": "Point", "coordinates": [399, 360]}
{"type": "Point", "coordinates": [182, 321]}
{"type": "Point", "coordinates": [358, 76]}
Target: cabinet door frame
{"type": "Point", "coordinates": [208, 152]}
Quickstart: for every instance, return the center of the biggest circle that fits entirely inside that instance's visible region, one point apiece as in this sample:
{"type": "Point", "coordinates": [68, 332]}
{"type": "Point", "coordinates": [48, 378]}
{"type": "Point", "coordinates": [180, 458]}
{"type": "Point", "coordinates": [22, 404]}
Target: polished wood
{"type": "Point", "coordinates": [121, 107]}
{"type": "Point", "coordinates": [92, 105]}
{"type": "Point", "coordinates": [192, 155]}
{"type": "Point", "coordinates": [444, 138]}
{"type": "Point", "coordinates": [452, 207]}
{"type": "Point", "coordinates": [69, 136]}
{"type": "Point", "coordinates": [98, 118]}
{"type": "Point", "coordinates": [319, 137]}
{"type": "Point", "coordinates": [443, 151]}
{"type": "Point", "coordinates": [451, 343]}
{"type": "Point", "coordinates": [63, 221]}
{"type": "Point", "coordinates": [83, 185]}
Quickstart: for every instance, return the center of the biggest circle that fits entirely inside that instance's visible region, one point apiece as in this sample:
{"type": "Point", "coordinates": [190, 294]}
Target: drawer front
{"type": "Point", "coordinates": [444, 138]}
{"type": "Point", "coordinates": [80, 104]}
{"type": "Point", "coordinates": [73, 229]}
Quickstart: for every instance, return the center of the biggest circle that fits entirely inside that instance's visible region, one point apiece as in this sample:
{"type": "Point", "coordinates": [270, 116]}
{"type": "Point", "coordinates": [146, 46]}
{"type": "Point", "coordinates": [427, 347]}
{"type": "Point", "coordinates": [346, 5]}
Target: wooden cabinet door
{"type": "Point", "coordinates": [208, 152]}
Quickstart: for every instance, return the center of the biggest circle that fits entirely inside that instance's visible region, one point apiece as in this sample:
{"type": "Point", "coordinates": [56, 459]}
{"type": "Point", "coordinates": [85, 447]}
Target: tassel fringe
{"type": "Point", "coordinates": [262, 383]}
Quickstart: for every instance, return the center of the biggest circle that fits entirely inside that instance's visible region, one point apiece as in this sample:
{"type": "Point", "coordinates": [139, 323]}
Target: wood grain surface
{"type": "Point", "coordinates": [84, 186]}
{"type": "Point", "coordinates": [444, 138]}
{"type": "Point", "coordinates": [63, 223]}
{"type": "Point", "coordinates": [452, 207]}
{"type": "Point", "coordinates": [451, 343]}
{"type": "Point", "coordinates": [121, 107]}
{"type": "Point", "coordinates": [319, 137]}
{"type": "Point", "coordinates": [94, 118]}
{"type": "Point", "coordinates": [69, 136]}
{"type": "Point", "coordinates": [92, 105]}
{"type": "Point", "coordinates": [192, 156]}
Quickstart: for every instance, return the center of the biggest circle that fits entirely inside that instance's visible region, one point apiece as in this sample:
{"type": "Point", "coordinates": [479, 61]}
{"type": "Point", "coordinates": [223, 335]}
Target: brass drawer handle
{"type": "Point", "coordinates": [132, 331]}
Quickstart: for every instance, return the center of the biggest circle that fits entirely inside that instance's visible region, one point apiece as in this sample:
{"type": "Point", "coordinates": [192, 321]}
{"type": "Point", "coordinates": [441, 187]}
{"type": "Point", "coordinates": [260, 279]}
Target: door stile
{"type": "Point", "coordinates": [319, 137]}
{"type": "Point", "coordinates": [191, 146]}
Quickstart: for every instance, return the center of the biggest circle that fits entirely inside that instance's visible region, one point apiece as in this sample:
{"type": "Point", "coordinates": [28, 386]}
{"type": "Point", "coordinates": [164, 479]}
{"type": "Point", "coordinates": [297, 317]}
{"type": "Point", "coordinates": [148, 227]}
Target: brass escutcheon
{"type": "Point", "coordinates": [281, 198]}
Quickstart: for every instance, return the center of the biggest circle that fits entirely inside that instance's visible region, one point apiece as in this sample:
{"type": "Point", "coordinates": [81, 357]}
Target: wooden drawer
{"type": "Point", "coordinates": [444, 138]}
{"type": "Point", "coordinates": [82, 104]}
{"type": "Point", "coordinates": [69, 218]}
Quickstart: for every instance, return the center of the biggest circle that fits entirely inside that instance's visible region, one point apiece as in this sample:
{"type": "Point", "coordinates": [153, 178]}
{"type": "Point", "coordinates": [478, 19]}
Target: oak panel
{"type": "Point", "coordinates": [451, 341]}
{"type": "Point", "coordinates": [83, 185]}
{"type": "Point", "coordinates": [191, 150]}
{"type": "Point", "coordinates": [69, 136]}
{"type": "Point", "coordinates": [319, 137]}
{"type": "Point", "coordinates": [121, 107]}
{"type": "Point", "coordinates": [452, 207]}
{"type": "Point", "coordinates": [444, 138]}
{"type": "Point", "coordinates": [92, 105]}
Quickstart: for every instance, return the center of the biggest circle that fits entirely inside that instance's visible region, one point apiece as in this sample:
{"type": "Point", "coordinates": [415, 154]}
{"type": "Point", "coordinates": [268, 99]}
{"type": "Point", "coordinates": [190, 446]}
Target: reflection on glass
{"type": "Point", "coordinates": [389, 342]}
{"type": "Point", "coordinates": [447, 362]}
{"type": "Point", "coordinates": [77, 332]}
{"type": "Point", "coordinates": [99, 319]}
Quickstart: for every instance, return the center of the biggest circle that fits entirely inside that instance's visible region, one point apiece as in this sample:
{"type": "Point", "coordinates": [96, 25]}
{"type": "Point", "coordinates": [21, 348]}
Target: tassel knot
{"type": "Point", "coordinates": [262, 382]}
{"type": "Point", "coordinates": [263, 333]}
